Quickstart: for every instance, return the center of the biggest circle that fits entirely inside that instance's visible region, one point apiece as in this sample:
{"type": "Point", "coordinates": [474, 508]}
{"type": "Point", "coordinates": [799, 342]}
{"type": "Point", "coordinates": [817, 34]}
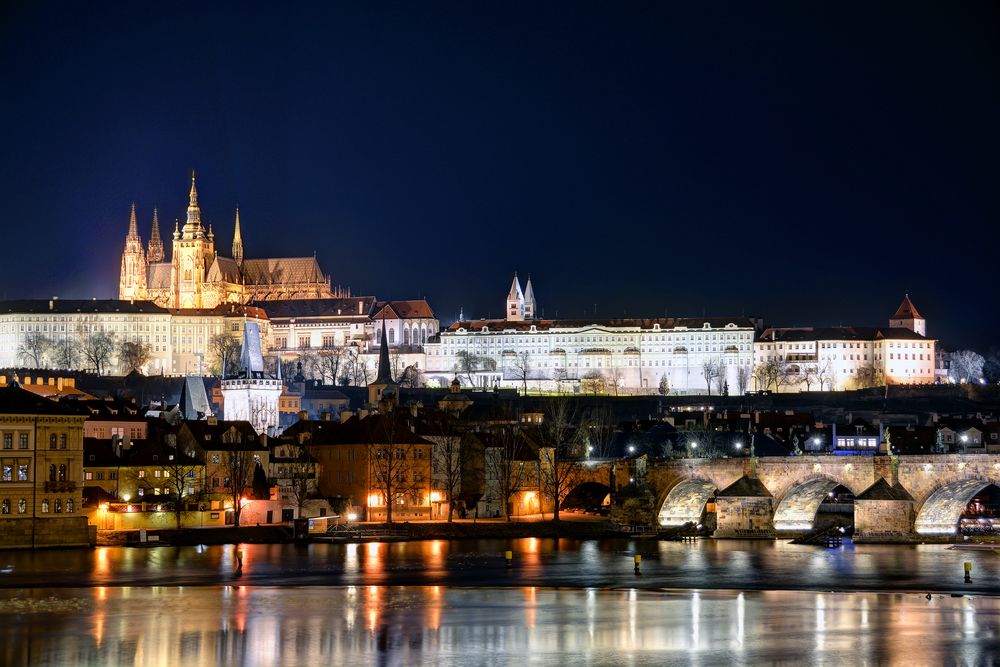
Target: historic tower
{"type": "Point", "coordinates": [193, 250]}
{"type": "Point", "coordinates": [907, 317]}
{"type": "Point", "coordinates": [253, 395]}
{"type": "Point", "coordinates": [237, 240]}
{"type": "Point", "coordinates": [155, 252]}
{"type": "Point", "coordinates": [132, 284]}
{"type": "Point", "coordinates": [530, 307]}
{"type": "Point", "coordinates": [515, 302]}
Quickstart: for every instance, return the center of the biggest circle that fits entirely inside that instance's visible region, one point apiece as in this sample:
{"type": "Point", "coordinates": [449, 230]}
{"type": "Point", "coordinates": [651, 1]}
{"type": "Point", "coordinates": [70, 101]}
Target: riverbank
{"type": "Point", "coordinates": [365, 532]}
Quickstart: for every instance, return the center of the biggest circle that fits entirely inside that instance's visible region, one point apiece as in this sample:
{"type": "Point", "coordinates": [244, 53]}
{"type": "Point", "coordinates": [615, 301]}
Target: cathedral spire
{"type": "Point", "coordinates": [155, 251]}
{"type": "Point", "coordinates": [238, 240]}
{"type": "Point", "coordinates": [193, 227]}
{"type": "Point", "coordinates": [133, 227]}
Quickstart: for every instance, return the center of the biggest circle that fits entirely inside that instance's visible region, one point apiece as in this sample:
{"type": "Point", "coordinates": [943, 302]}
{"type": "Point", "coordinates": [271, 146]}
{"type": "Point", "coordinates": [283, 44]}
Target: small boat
{"type": "Point", "coordinates": [7, 569]}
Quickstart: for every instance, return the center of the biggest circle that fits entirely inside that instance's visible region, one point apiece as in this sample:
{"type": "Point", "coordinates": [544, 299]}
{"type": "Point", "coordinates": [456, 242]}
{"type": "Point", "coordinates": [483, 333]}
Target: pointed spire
{"type": "Point", "coordinates": [177, 229]}
{"type": "Point", "coordinates": [193, 227]}
{"type": "Point", "coordinates": [530, 307]}
{"type": "Point", "coordinates": [384, 372]}
{"type": "Point", "coordinates": [133, 228]}
{"type": "Point", "coordinates": [155, 251]}
{"type": "Point", "coordinates": [515, 289]}
{"type": "Point", "coordinates": [238, 240]}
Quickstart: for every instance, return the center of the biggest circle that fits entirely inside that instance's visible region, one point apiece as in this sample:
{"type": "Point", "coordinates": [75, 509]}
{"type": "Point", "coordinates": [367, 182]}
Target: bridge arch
{"type": "Point", "coordinates": [685, 502]}
{"type": "Point", "coordinates": [587, 496]}
{"type": "Point", "coordinates": [796, 512]}
{"type": "Point", "coordinates": [941, 511]}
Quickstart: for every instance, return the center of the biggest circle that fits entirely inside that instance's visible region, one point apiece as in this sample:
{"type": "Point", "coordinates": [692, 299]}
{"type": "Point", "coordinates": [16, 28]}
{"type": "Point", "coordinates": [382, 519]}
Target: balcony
{"type": "Point", "coordinates": [60, 487]}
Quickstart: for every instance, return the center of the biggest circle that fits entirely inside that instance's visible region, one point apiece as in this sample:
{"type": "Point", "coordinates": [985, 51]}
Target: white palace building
{"type": "Point", "coordinates": [625, 355]}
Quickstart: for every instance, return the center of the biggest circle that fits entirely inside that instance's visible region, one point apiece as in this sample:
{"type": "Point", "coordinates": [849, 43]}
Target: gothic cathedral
{"type": "Point", "coordinates": [196, 276]}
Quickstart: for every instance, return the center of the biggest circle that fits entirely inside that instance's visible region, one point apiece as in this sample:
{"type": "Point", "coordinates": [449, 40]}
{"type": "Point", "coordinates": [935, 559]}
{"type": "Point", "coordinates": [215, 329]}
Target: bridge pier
{"type": "Point", "coordinates": [745, 509]}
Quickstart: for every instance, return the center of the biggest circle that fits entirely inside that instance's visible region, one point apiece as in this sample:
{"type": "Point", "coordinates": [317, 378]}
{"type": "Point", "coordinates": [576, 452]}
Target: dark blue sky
{"type": "Point", "coordinates": [806, 162]}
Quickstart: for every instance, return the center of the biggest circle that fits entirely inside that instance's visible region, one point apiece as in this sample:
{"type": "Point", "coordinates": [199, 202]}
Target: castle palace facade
{"type": "Point", "coordinates": [197, 276]}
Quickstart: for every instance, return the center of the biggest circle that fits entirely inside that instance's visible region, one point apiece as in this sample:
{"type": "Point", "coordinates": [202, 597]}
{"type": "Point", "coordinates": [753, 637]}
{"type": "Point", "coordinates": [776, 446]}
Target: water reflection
{"type": "Point", "coordinates": [436, 625]}
{"type": "Point", "coordinates": [537, 562]}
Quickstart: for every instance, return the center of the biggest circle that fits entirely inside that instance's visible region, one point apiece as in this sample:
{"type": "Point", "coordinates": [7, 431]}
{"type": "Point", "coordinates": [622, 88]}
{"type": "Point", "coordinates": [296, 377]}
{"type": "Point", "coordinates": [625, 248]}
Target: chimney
{"type": "Point", "coordinates": [303, 415]}
{"type": "Point", "coordinates": [345, 415]}
{"type": "Point", "coordinates": [360, 306]}
{"type": "Point", "coordinates": [325, 415]}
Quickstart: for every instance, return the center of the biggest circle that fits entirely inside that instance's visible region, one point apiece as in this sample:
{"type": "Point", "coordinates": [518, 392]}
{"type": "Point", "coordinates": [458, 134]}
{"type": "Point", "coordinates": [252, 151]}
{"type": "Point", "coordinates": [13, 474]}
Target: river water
{"type": "Point", "coordinates": [457, 603]}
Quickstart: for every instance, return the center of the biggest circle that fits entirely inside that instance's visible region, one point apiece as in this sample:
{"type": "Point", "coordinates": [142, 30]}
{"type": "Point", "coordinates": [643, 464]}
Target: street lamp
{"type": "Point", "coordinates": [631, 449]}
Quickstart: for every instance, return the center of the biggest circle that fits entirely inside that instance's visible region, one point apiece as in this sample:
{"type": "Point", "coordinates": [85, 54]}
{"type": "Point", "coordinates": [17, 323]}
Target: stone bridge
{"type": "Point", "coordinates": [913, 497]}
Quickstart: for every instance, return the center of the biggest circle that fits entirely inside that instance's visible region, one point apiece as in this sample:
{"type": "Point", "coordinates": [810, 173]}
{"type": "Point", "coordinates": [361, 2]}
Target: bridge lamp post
{"type": "Point", "coordinates": [739, 446]}
{"type": "Point", "coordinates": [694, 447]}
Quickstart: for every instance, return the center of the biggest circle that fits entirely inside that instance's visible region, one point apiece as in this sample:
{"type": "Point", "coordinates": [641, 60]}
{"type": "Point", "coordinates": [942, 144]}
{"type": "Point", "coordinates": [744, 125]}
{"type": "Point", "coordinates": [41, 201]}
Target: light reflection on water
{"type": "Point", "coordinates": [436, 625]}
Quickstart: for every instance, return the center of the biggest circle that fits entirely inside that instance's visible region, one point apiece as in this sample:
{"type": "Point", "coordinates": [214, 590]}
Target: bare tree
{"type": "Point", "coordinates": [601, 429]}
{"type": "Point", "coordinates": [468, 364]}
{"type": "Point", "coordinates": [97, 348]}
{"type": "Point", "coordinates": [615, 379]}
{"type": "Point", "coordinates": [182, 471]}
{"type": "Point", "coordinates": [810, 375]}
{"type": "Point", "coordinates": [721, 381]}
{"type": "Point", "coordinates": [743, 374]}
{"type": "Point", "coordinates": [446, 431]}
{"type": "Point", "coordinates": [240, 465]}
{"type": "Point", "coordinates": [504, 462]}
{"type": "Point", "coordinates": [132, 356]}
{"type": "Point", "coordinates": [521, 368]}
{"type": "Point", "coordinates": [394, 469]}
{"type": "Point", "coordinates": [966, 366]}
{"type": "Point", "coordinates": [411, 377]}
{"type": "Point", "coordinates": [225, 354]}
{"type": "Point", "coordinates": [301, 476]}
{"type": "Point", "coordinates": [64, 353]}
{"type": "Point", "coordinates": [33, 348]}
{"type": "Point", "coordinates": [710, 371]}
{"type": "Point", "coordinates": [593, 382]}
{"type": "Point", "coordinates": [329, 364]}
{"type": "Point", "coordinates": [560, 459]}
{"type": "Point", "coordinates": [825, 375]}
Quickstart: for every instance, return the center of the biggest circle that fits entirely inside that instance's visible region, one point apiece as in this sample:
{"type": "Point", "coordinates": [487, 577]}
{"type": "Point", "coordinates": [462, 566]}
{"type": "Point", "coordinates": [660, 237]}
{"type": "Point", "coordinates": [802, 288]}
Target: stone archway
{"type": "Point", "coordinates": [797, 510]}
{"type": "Point", "coordinates": [685, 503]}
{"type": "Point", "coordinates": [940, 513]}
{"type": "Point", "coordinates": [587, 497]}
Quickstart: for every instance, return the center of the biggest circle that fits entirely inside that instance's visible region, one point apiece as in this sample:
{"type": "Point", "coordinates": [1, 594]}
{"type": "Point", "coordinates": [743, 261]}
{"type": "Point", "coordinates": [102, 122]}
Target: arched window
{"type": "Point", "coordinates": [392, 336]}
{"type": "Point", "coordinates": [5, 506]}
{"type": "Point", "coordinates": [58, 506]}
{"type": "Point", "coordinates": [378, 336]}
{"type": "Point", "coordinates": [45, 506]}
{"type": "Point", "coordinates": [62, 441]}
{"type": "Point", "coordinates": [406, 336]}
{"type": "Point", "coordinates": [22, 506]}
{"type": "Point", "coordinates": [52, 441]}
{"type": "Point", "coordinates": [62, 472]}
{"type": "Point", "coordinates": [69, 505]}
{"type": "Point", "coordinates": [52, 472]}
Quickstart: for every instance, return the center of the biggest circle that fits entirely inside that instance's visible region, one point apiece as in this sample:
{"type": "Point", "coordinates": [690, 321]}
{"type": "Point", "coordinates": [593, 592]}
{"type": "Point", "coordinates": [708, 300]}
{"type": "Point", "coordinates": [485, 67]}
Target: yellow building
{"type": "Point", "coordinates": [41, 472]}
{"type": "Point", "coordinates": [196, 276]}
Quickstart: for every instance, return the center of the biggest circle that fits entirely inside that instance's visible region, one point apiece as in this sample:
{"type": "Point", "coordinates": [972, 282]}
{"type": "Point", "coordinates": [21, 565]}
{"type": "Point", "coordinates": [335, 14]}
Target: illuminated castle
{"type": "Point", "coordinates": [197, 276]}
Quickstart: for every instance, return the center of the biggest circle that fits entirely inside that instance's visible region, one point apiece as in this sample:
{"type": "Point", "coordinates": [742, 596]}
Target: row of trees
{"type": "Point", "coordinates": [96, 349]}
{"type": "Point", "coordinates": [496, 459]}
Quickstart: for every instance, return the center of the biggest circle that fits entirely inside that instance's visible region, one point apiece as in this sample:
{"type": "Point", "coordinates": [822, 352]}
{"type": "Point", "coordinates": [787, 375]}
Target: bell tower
{"type": "Point", "coordinates": [132, 284]}
{"type": "Point", "coordinates": [193, 249]}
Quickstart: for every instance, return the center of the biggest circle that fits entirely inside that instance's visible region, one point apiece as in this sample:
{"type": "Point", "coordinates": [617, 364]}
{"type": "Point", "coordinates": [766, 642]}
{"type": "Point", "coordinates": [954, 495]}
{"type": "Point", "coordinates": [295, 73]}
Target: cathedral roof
{"type": "Point", "coordinates": [282, 271]}
{"type": "Point", "coordinates": [515, 293]}
{"type": "Point", "coordinates": [907, 311]}
{"type": "Point", "coordinates": [224, 270]}
{"type": "Point", "coordinates": [158, 275]}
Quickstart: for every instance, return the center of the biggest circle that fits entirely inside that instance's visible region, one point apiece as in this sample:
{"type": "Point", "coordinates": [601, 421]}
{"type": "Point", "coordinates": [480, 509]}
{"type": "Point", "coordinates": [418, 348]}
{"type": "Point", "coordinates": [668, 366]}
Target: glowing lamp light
{"type": "Point", "coordinates": [228, 505]}
{"type": "Point", "coordinates": [244, 502]}
{"type": "Point", "coordinates": [694, 445]}
{"type": "Point", "coordinates": [738, 445]}
{"type": "Point", "coordinates": [964, 438]}
{"type": "Point", "coordinates": [816, 441]}
{"type": "Point", "coordinates": [530, 495]}
{"type": "Point", "coordinates": [104, 506]}
{"type": "Point", "coordinates": [352, 517]}
{"type": "Point", "coordinates": [374, 500]}
{"type": "Point", "coordinates": [631, 449]}
{"type": "Point", "coordinates": [125, 497]}
{"type": "Point", "coordinates": [435, 496]}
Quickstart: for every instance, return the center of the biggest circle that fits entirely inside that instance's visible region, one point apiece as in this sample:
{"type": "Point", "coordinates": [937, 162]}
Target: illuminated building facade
{"type": "Point", "coordinates": [197, 276]}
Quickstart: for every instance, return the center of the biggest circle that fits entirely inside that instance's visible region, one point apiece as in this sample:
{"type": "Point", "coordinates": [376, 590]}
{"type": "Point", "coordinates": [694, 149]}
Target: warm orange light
{"type": "Point", "coordinates": [104, 506]}
{"type": "Point", "coordinates": [374, 500]}
{"type": "Point", "coordinates": [435, 496]}
{"type": "Point", "coordinates": [244, 502]}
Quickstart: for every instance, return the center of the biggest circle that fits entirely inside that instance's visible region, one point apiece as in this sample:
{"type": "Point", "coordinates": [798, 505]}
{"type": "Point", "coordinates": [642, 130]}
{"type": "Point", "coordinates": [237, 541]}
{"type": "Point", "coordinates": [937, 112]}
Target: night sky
{"type": "Point", "coordinates": [804, 162]}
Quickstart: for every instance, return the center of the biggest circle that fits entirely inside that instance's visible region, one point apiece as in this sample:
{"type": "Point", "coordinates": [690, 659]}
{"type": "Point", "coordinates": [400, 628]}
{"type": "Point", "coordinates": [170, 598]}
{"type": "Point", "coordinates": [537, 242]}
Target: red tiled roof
{"type": "Point", "coordinates": [907, 311]}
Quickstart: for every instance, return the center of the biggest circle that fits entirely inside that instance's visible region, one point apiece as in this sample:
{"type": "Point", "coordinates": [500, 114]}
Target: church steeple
{"type": "Point", "coordinates": [515, 302]}
{"type": "Point", "coordinates": [193, 227]}
{"type": "Point", "coordinates": [383, 388]}
{"type": "Point", "coordinates": [132, 281]}
{"type": "Point", "coordinates": [530, 307]}
{"type": "Point", "coordinates": [155, 249]}
{"type": "Point", "coordinates": [238, 240]}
